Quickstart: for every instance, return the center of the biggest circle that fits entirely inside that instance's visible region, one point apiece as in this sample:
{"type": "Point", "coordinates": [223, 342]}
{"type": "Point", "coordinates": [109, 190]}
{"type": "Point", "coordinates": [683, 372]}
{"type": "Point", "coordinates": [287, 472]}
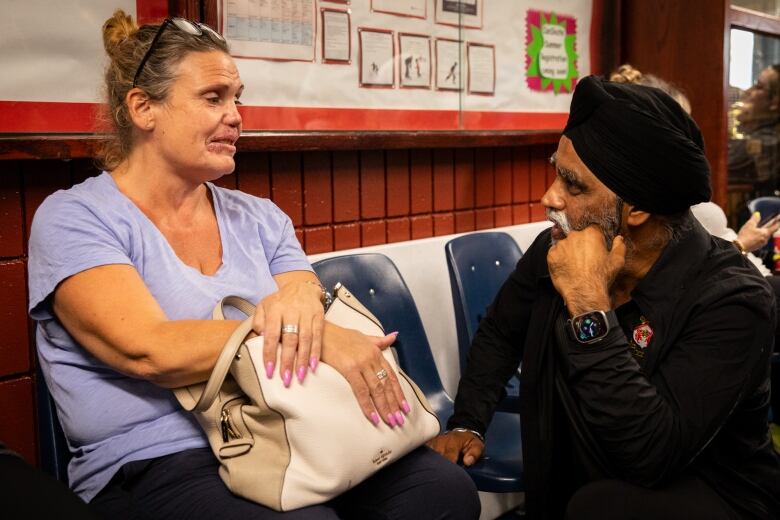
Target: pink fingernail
{"type": "Point", "coordinates": [405, 407]}
{"type": "Point", "coordinates": [399, 418]}
{"type": "Point", "coordinates": [390, 419]}
{"type": "Point", "coordinates": [286, 377]}
{"type": "Point", "coordinates": [313, 361]}
{"type": "Point", "coordinates": [301, 373]}
{"type": "Point", "coordinates": [394, 333]}
{"type": "Point", "coordinates": [269, 369]}
{"type": "Point", "coordinates": [374, 418]}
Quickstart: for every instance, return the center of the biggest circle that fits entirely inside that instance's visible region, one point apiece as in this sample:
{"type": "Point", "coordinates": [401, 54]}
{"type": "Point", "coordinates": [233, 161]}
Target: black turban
{"type": "Point", "coordinates": [640, 143]}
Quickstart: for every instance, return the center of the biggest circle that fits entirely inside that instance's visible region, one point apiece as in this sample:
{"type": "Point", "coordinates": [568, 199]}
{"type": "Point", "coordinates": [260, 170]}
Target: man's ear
{"type": "Point", "coordinates": [636, 217]}
{"type": "Point", "coordinates": [140, 109]}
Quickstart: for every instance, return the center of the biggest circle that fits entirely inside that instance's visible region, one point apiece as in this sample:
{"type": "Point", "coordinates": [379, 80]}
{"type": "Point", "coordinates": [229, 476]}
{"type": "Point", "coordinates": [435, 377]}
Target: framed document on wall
{"type": "Point", "coordinates": [376, 58]}
{"type": "Point", "coordinates": [414, 53]}
{"type": "Point", "coordinates": [448, 65]}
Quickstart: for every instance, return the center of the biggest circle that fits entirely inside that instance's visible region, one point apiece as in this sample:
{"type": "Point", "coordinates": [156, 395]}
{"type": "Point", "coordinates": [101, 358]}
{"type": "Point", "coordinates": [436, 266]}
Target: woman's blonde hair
{"type": "Point", "coordinates": [126, 44]}
{"type": "Point", "coordinates": [628, 74]}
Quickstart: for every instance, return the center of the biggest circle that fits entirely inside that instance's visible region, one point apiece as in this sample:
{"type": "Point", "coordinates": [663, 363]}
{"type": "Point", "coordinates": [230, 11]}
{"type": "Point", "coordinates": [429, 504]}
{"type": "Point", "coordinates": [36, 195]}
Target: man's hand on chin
{"type": "Point", "coordinates": [582, 268]}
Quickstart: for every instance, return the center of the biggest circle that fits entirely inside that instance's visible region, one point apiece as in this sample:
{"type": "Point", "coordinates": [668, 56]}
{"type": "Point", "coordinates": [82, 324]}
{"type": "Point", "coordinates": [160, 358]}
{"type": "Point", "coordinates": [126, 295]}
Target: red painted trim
{"type": "Point", "coordinates": [286, 118]}
{"type": "Point", "coordinates": [150, 11]}
{"type": "Point", "coordinates": [47, 117]}
{"type": "Point", "coordinates": [280, 118]}
{"type": "Point", "coordinates": [514, 121]}
{"type": "Point", "coordinates": [43, 117]}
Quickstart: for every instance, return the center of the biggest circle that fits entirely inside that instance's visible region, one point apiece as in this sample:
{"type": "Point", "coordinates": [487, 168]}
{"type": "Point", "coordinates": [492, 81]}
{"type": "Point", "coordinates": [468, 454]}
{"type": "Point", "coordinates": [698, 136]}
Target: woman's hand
{"type": "Point", "coordinates": [753, 236]}
{"type": "Point", "coordinates": [359, 359]}
{"type": "Point", "coordinates": [297, 307]}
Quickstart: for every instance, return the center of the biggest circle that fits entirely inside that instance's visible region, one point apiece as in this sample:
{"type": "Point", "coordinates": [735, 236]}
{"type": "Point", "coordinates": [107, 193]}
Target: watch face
{"type": "Point", "coordinates": [590, 326]}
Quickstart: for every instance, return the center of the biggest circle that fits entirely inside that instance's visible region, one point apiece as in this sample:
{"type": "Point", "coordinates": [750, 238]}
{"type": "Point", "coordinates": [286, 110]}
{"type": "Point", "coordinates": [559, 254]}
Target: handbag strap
{"type": "Point", "coordinates": [222, 366]}
{"type": "Point", "coordinates": [233, 301]}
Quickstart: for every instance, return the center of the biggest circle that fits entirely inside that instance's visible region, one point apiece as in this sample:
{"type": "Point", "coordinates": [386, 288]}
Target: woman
{"type": "Point", "coordinates": [124, 271]}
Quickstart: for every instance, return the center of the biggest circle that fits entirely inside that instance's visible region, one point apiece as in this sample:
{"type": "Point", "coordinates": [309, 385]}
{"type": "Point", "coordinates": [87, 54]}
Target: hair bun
{"type": "Point", "coordinates": [626, 74]}
{"type": "Point", "coordinates": [116, 30]}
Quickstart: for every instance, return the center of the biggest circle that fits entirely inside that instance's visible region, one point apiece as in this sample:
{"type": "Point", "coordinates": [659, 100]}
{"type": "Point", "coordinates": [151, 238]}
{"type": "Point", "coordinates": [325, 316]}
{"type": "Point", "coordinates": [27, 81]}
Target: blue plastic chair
{"type": "Point", "coordinates": [53, 450]}
{"type": "Point", "coordinates": [767, 206]}
{"type": "Point", "coordinates": [479, 264]}
{"type": "Point", "coordinates": [376, 282]}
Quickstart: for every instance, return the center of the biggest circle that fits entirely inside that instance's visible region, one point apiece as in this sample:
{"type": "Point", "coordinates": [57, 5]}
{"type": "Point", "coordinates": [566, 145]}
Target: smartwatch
{"type": "Point", "coordinates": [592, 326]}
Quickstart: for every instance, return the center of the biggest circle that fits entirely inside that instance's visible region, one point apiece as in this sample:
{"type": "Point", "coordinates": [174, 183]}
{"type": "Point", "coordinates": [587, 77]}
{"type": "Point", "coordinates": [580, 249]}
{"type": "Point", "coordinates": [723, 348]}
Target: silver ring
{"type": "Point", "coordinates": [381, 374]}
{"type": "Point", "coordinates": [290, 329]}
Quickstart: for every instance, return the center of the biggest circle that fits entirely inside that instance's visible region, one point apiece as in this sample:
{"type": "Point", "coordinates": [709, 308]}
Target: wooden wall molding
{"type": "Point", "coordinates": [754, 21]}
{"type": "Point", "coordinates": [84, 146]}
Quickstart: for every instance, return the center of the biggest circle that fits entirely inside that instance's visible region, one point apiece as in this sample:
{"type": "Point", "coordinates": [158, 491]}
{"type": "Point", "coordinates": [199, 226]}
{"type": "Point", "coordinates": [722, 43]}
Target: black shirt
{"type": "Point", "coordinates": [694, 400]}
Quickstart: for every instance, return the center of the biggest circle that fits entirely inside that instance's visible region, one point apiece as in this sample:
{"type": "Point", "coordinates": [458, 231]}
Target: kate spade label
{"type": "Point", "coordinates": [382, 456]}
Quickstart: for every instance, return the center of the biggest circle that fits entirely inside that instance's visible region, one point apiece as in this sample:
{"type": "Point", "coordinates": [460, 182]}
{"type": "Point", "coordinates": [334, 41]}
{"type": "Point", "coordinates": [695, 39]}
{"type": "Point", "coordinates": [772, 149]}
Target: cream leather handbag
{"type": "Point", "coordinates": [288, 448]}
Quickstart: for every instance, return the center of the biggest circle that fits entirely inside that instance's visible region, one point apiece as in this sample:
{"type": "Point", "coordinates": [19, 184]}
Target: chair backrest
{"type": "Point", "coordinates": [478, 263]}
{"type": "Point", "coordinates": [376, 282]}
{"type": "Point", "coordinates": [52, 445]}
{"type": "Point", "coordinates": [767, 206]}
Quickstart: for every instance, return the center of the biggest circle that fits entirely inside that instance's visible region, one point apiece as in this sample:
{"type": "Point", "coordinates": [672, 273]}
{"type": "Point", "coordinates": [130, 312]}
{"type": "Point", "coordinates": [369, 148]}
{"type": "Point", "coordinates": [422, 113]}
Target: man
{"type": "Point", "coordinates": [753, 158]}
{"type": "Point", "coordinates": [644, 340]}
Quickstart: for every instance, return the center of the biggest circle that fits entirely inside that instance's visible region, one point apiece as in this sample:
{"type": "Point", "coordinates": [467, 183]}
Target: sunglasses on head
{"type": "Point", "coordinates": [182, 24]}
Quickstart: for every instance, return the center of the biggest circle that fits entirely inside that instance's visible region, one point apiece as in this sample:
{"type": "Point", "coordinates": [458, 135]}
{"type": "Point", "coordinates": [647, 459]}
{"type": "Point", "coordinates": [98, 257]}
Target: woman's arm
{"type": "Point", "coordinates": [111, 313]}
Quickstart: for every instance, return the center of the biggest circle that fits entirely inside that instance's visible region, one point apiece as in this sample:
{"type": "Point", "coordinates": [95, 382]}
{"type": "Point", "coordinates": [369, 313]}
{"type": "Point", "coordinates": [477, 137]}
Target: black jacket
{"type": "Point", "coordinates": [696, 404]}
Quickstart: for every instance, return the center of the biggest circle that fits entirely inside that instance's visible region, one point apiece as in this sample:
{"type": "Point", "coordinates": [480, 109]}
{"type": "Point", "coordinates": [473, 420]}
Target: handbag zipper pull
{"type": "Point", "coordinates": [223, 422]}
{"type": "Point", "coordinates": [227, 427]}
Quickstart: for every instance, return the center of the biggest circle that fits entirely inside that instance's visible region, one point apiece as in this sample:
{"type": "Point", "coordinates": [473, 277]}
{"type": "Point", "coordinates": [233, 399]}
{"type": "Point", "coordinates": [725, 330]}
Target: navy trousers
{"type": "Point", "coordinates": [420, 486]}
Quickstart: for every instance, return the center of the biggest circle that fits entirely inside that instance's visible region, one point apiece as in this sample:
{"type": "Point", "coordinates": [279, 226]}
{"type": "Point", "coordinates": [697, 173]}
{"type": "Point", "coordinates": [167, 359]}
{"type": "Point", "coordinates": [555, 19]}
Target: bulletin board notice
{"type": "Point", "coordinates": [312, 65]}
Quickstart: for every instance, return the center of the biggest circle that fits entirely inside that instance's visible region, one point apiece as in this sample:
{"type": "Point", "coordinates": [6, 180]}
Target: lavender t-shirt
{"type": "Point", "coordinates": [109, 418]}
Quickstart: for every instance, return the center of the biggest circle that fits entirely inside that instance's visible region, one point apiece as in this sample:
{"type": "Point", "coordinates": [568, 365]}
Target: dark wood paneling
{"type": "Point", "coordinates": [286, 184]}
{"type": "Point", "coordinates": [11, 229]}
{"type": "Point", "coordinates": [17, 425]}
{"type": "Point", "coordinates": [254, 174]}
{"type": "Point", "coordinates": [443, 180]}
{"type": "Point", "coordinates": [346, 187]}
{"type": "Point", "coordinates": [464, 179]}
{"type": "Point", "coordinates": [398, 194]}
{"type": "Point", "coordinates": [372, 185]}
{"type": "Point", "coordinates": [484, 177]}
{"type": "Point", "coordinates": [421, 183]}
{"type": "Point", "coordinates": [662, 38]}
{"type": "Point", "coordinates": [14, 341]}
{"type": "Point", "coordinates": [317, 184]}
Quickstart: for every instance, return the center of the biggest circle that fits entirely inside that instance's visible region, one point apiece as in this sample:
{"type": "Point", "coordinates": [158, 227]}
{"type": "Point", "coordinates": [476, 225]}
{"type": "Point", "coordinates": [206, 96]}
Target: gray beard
{"type": "Point", "coordinates": [607, 219]}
